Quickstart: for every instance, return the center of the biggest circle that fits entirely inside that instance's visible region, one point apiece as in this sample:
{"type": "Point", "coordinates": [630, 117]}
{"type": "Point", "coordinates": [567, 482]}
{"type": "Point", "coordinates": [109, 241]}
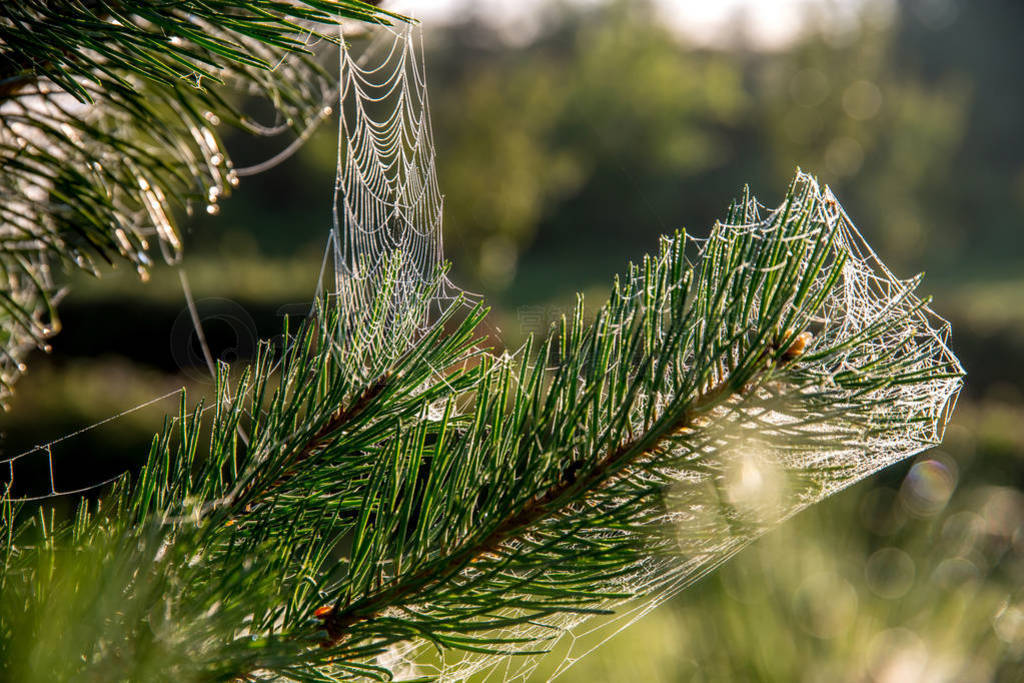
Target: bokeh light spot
{"type": "Point", "coordinates": [826, 604]}
{"type": "Point", "coordinates": [844, 156]}
{"type": "Point", "coordinates": [890, 573]}
{"type": "Point", "coordinates": [862, 100]}
{"type": "Point", "coordinates": [928, 486]}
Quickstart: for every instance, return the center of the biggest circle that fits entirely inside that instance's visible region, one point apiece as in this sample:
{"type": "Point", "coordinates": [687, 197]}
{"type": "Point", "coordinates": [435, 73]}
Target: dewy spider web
{"type": "Point", "coordinates": [51, 489]}
{"type": "Point", "coordinates": [387, 210]}
{"type": "Point", "coordinates": [761, 460]}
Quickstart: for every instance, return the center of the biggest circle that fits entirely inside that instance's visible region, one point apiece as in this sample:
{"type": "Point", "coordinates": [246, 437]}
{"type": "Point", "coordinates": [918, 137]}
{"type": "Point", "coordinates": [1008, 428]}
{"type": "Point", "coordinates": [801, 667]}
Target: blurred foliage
{"type": "Point", "coordinates": [578, 132]}
{"type": "Point", "coordinates": [602, 126]}
{"type": "Point", "coordinates": [566, 152]}
{"type": "Point", "coordinates": [914, 575]}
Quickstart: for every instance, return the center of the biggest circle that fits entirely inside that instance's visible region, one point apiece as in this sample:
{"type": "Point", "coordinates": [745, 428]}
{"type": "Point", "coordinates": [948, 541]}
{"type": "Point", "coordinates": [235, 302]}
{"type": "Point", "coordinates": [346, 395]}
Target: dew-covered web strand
{"type": "Point", "coordinates": [47, 449]}
{"type": "Point", "coordinates": [205, 141]}
{"type": "Point", "coordinates": [289, 151]}
{"type": "Point", "coordinates": [39, 450]}
{"type": "Point", "coordinates": [387, 204]}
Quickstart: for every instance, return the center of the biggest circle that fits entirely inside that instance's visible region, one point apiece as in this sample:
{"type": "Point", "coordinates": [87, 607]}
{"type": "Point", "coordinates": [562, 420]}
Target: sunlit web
{"type": "Point", "coordinates": [386, 214]}
{"type": "Point", "coordinates": [769, 460]}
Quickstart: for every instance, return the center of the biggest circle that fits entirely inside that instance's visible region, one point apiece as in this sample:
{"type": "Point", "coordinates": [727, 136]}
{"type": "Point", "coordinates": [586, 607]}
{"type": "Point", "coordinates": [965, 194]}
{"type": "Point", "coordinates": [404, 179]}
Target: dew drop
{"type": "Point", "coordinates": [212, 209]}
{"type": "Point", "coordinates": [326, 111]}
{"type": "Point", "coordinates": [22, 367]}
{"type": "Point", "coordinates": [122, 240]}
{"type": "Point", "coordinates": [232, 179]}
{"type": "Point", "coordinates": [46, 348]}
{"type": "Point", "coordinates": [216, 159]}
{"type": "Point", "coordinates": [212, 194]}
{"type": "Point", "coordinates": [212, 118]}
{"type": "Point", "coordinates": [143, 273]}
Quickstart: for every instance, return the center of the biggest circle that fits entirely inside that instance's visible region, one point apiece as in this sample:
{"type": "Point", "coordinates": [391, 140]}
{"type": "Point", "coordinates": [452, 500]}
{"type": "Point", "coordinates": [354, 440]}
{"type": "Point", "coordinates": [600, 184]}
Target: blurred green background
{"type": "Point", "coordinates": [566, 145]}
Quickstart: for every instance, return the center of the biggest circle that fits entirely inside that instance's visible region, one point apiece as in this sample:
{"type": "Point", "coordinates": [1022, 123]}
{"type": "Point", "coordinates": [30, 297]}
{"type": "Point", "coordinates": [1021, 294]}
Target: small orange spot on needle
{"type": "Point", "coordinates": [799, 345]}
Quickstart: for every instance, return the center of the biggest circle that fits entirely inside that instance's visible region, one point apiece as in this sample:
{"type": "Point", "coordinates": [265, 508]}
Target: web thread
{"type": "Point", "coordinates": [387, 207]}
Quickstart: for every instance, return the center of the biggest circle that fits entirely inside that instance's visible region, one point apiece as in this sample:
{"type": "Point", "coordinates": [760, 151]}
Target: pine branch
{"type": "Point", "coordinates": [570, 487]}
{"type": "Point", "coordinates": [108, 129]}
{"type": "Point", "coordinates": [397, 497]}
{"type": "Point", "coordinates": [58, 41]}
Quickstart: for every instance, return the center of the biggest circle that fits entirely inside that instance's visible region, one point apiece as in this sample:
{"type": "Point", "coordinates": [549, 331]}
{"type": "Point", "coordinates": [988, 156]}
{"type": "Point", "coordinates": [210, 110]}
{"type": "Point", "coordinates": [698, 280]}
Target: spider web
{"type": "Point", "coordinates": [766, 461]}
{"type": "Point", "coordinates": [387, 208]}
{"type": "Point", "coordinates": [386, 216]}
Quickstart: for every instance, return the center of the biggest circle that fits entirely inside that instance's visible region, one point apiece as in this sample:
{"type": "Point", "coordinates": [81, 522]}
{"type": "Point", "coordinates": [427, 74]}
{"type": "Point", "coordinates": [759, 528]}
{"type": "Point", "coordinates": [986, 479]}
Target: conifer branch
{"type": "Point", "coordinates": [435, 494]}
{"type": "Point", "coordinates": [110, 115]}
{"type": "Point", "coordinates": [575, 485]}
